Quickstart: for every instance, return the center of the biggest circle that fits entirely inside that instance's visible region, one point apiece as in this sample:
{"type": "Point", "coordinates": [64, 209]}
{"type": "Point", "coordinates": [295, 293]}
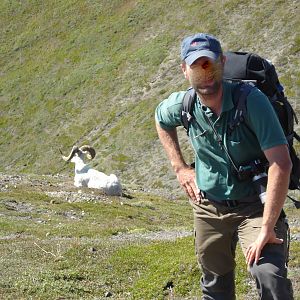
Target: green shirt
{"type": "Point", "coordinates": [214, 172]}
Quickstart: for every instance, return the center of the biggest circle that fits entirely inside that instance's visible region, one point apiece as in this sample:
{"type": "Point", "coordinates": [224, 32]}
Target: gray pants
{"type": "Point", "coordinates": [217, 230]}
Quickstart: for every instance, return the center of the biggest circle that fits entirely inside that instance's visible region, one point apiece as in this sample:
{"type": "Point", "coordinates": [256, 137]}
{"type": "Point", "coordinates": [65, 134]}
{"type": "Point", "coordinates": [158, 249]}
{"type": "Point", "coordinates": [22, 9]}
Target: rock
{"type": "Point", "coordinates": [108, 294]}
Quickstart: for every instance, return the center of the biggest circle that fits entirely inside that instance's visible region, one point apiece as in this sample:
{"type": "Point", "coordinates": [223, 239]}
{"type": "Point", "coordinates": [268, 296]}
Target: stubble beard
{"type": "Point", "coordinates": [208, 90]}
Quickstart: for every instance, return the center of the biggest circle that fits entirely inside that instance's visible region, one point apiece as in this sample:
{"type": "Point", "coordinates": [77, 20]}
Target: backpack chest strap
{"type": "Point", "coordinates": [187, 108]}
{"type": "Point", "coordinates": [240, 95]}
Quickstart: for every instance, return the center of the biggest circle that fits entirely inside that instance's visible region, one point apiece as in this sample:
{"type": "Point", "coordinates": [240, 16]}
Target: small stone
{"type": "Point", "coordinates": [108, 294]}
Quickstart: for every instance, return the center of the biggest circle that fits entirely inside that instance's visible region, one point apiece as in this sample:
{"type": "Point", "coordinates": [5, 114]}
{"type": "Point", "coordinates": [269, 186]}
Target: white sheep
{"type": "Point", "coordinates": [85, 176]}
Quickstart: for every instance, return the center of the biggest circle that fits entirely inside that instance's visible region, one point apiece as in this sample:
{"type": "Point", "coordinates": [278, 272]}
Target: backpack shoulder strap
{"type": "Point", "coordinates": [240, 94]}
{"type": "Point", "coordinates": [187, 108]}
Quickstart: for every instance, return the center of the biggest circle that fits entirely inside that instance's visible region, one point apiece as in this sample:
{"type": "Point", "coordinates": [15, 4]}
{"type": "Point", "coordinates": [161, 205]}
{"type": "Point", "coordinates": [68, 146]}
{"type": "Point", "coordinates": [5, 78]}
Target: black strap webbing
{"type": "Point", "coordinates": [187, 108]}
{"type": "Point", "coordinates": [240, 95]}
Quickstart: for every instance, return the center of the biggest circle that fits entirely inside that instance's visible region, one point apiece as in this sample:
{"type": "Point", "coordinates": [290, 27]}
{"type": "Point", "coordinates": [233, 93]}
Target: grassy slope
{"type": "Point", "coordinates": [93, 71]}
{"type": "Point", "coordinates": [56, 243]}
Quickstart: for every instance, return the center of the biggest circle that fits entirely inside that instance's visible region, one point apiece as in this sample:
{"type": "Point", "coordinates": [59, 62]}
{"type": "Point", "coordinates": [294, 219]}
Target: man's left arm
{"type": "Point", "coordinates": [278, 181]}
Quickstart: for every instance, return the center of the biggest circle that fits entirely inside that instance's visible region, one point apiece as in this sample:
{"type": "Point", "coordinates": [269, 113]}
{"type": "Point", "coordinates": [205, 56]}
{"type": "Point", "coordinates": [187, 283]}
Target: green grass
{"type": "Point", "coordinates": [77, 71]}
{"type": "Point", "coordinates": [93, 72]}
{"type": "Point", "coordinates": [58, 243]}
{"type": "Point", "coordinates": [47, 216]}
{"type": "Point", "coordinates": [153, 269]}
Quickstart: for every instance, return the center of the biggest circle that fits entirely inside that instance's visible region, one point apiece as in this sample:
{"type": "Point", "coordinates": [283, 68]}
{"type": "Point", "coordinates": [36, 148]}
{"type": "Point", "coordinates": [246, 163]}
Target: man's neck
{"type": "Point", "coordinates": [213, 101]}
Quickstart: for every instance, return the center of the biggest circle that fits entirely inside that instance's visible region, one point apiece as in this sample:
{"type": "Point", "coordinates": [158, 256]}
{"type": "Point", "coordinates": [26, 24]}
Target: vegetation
{"type": "Point", "coordinates": [61, 243]}
{"type": "Point", "coordinates": [93, 71]}
{"type": "Point", "coordinates": [77, 72]}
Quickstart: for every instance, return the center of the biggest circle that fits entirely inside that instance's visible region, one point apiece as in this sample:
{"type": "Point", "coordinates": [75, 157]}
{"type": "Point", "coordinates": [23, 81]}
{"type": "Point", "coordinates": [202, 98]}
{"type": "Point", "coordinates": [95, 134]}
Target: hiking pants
{"type": "Point", "coordinates": [217, 230]}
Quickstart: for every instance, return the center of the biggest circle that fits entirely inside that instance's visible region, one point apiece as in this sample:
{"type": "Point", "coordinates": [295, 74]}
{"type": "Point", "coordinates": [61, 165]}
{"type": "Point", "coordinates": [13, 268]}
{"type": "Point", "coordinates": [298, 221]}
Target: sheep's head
{"type": "Point", "coordinates": [88, 150]}
{"type": "Point", "coordinates": [85, 149]}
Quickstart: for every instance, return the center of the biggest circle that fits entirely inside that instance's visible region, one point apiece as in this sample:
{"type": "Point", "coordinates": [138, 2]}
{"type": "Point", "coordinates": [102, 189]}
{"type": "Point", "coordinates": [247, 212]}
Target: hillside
{"type": "Point", "coordinates": [58, 242]}
{"type": "Point", "coordinates": [93, 72]}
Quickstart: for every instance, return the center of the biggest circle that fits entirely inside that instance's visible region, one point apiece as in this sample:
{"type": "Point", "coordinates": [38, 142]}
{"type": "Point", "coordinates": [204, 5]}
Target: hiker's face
{"type": "Point", "coordinates": [205, 75]}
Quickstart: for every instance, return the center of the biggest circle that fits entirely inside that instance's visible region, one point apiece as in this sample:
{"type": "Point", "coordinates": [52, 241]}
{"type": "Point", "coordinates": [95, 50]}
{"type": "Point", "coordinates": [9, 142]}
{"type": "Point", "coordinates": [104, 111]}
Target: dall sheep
{"type": "Point", "coordinates": [85, 176]}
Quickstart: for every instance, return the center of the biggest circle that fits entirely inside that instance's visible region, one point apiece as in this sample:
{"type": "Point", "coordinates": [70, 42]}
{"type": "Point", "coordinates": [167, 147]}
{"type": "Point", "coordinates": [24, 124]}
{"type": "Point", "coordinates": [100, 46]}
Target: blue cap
{"type": "Point", "coordinates": [199, 45]}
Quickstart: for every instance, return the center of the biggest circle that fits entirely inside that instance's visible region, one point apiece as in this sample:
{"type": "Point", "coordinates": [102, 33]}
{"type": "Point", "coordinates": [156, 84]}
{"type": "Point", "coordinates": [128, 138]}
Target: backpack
{"type": "Point", "coordinates": [249, 70]}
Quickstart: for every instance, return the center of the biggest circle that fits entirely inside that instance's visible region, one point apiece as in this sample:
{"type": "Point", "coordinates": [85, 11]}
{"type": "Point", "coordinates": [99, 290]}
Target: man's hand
{"type": "Point", "coordinates": [185, 174]}
{"type": "Point", "coordinates": [187, 178]}
{"type": "Point", "coordinates": [254, 250]}
{"type": "Point", "coordinates": [278, 180]}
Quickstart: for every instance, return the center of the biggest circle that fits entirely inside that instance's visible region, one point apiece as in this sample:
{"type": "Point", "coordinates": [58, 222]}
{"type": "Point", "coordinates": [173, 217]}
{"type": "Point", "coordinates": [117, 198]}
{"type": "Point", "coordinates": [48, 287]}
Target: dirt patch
{"type": "Point", "coordinates": [152, 236]}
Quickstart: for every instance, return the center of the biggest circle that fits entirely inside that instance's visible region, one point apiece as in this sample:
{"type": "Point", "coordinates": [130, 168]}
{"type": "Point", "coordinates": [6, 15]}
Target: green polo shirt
{"type": "Point", "coordinates": [214, 172]}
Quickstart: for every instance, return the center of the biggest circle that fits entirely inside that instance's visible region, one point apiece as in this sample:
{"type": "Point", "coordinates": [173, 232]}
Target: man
{"type": "Point", "coordinates": [224, 206]}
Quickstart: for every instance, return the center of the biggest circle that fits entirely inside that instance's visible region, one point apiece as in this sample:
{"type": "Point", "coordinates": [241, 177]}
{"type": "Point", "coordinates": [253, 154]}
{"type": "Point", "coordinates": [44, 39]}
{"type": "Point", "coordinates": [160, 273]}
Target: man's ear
{"type": "Point", "coordinates": [183, 68]}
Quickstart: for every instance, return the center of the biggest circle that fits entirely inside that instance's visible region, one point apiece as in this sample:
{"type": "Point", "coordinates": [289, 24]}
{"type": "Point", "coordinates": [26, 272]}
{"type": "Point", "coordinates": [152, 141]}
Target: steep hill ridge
{"type": "Point", "coordinates": [93, 72]}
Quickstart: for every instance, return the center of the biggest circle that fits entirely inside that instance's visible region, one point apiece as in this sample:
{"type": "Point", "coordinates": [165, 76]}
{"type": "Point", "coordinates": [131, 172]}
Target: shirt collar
{"type": "Point", "coordinates": [227, 103]}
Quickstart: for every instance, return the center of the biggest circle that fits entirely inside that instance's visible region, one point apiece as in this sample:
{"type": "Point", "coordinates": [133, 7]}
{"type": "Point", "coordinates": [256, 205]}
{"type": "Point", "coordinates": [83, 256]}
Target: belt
{"type": "Point", "coordinates": [232, 203]}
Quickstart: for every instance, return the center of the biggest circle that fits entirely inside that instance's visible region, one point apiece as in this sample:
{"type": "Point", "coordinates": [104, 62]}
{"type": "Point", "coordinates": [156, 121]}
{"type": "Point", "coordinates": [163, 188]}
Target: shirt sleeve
{"type": "Point", "coordinates": [264, 121]}
{"type": "Point", "coordinates": [168, 112]}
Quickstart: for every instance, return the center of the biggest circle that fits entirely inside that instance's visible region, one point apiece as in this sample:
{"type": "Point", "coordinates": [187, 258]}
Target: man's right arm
{"type": "Point", "coordinates": [185, 174]}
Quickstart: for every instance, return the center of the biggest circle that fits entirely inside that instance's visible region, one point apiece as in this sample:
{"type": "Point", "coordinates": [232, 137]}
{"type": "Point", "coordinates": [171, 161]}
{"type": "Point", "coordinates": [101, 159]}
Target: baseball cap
{"type": "Point", "coordinates": [199, 45]}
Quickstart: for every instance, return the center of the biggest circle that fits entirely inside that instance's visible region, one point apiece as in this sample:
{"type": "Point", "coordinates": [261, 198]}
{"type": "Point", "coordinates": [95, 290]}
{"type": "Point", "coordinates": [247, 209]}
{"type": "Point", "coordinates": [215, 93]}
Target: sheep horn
{"type": "Point", "coordinates": [88, 150]}
{"type": "Point", "coordinates": [74, 150]}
